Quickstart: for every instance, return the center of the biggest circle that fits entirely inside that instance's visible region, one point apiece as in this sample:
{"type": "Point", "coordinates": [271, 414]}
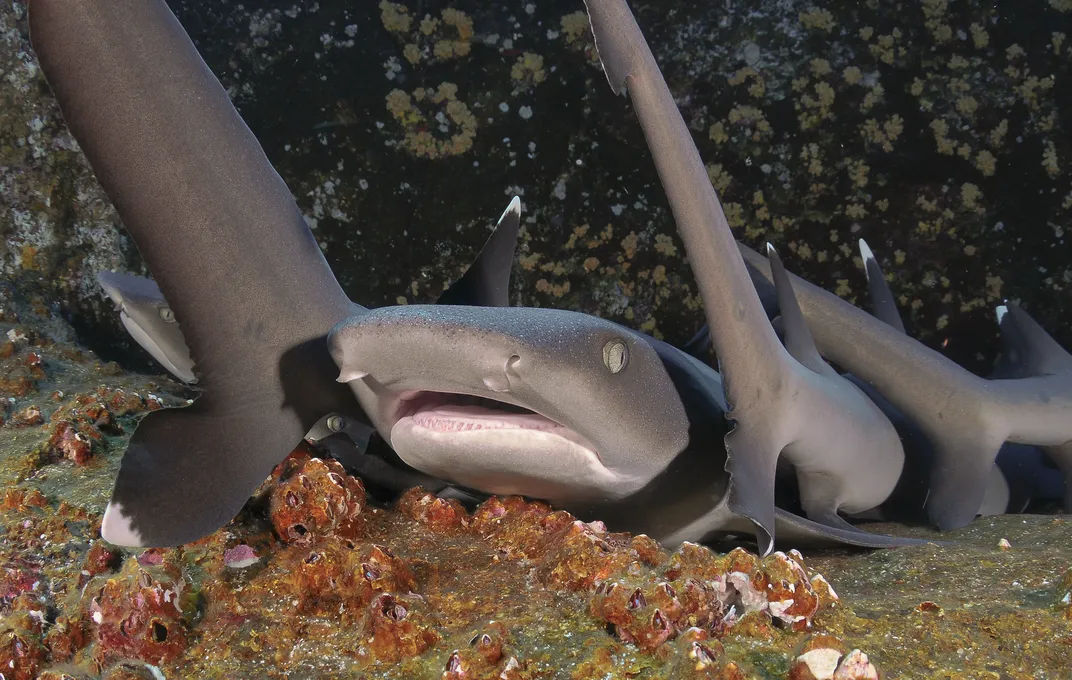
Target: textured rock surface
{"type": "Point", "coordinates": [936, 130]}
{"type": "Point", "coordinates": [426, 588]}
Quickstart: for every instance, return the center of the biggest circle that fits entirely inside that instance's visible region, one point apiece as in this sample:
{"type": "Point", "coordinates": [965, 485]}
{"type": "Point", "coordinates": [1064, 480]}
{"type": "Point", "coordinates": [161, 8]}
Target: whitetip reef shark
{"type": "Point", "coordinates": [611, 422]}
{"type": "Point", "coordinates": [965, 418]}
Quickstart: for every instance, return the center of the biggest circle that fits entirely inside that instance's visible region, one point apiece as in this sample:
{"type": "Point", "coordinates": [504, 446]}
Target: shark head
{"type": "Point", "coordinates": [547, 403]}
{"type": "Point", "coordinates": [149, 320]}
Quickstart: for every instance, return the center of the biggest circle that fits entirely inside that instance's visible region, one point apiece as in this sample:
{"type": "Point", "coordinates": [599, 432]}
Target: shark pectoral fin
{"type": "Point", "coordinates": [1029, 349]}
{"type": "Point", "coordinates": [186, 472]}
{"type": "Point", "coordinates": [883, 304]}
{"type": "Point", "coordinates": [375, 470]}
{"type": "Point", "coordinates": [1061, 455]}
{"type": "Point", "coordinates": [796, 529]}
{"type": "Point", "coordinates": [798, 340]}
{"type": "Point", "coordinates": [961, 472]}
{"type": "Point", "coordinates": [752, 461]}
{"type": "Point", "coordinates": [487, 281]}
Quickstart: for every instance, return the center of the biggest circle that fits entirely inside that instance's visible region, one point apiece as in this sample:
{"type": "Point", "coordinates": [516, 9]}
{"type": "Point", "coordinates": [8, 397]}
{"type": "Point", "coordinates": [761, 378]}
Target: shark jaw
{"type": "Point", "coordinates": [499, 447]}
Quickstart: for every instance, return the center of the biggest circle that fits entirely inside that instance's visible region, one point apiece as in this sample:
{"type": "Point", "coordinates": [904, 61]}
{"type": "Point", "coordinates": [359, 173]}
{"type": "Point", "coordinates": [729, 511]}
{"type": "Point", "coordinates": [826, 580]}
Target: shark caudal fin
{"type": "Point", "coordinates": [228, 248]}
{"type": "Point", "coordinates": [794, 529]}
{"type": "Point", "coordinates": [883, 304]}
{"type": "Point", "coordinates": [150, 321]}
{"type": "Point", "coordinates": [746, 349]}
{"type": "Point", "coordinates": [487, 281]}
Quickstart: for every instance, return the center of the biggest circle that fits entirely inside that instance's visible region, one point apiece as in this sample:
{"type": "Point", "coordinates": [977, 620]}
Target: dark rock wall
{"type": "Point", "coordinates": [936, 130]}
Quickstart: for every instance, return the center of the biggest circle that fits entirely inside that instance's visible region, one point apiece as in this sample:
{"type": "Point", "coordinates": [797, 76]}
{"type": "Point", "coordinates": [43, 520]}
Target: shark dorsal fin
{"type": "Point", "coordinates": [883, 305]}
{"type": "Point", "coordinates": [487, 281]}
{"type": "Point", "coordinates": [1029, 350]}
{"type": "Point", "coordinates": [798, 341]}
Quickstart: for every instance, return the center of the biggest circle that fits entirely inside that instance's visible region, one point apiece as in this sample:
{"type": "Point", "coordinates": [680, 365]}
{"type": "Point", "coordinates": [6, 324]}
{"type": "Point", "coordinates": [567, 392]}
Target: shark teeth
{"type": "Point", "coordinates": [467, 418]}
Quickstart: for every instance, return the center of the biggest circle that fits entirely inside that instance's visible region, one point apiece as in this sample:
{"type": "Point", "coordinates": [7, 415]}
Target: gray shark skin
{"type": "Point", "coordinates": [1031, 351]}
{"type": "Point", "coordinates": [149, 319]}
{"type": "Point", "coordinates": [228, 247]}
{"type": "Point", "coordinates": [851, 461]}
{"type": "Point", "coordinates": [581, 437]}
{"type": "Point", "coordinates": [594, 417]}
{"type": "Point", "coordinates": [883, 305]}
{"type": "Point", "coordinates": [486, 283]}
{"type": "Point", "coordinates": [1021, 474]}
{"type": "Point", "coordinates": [256, 300]}
{"type": "Point", "coordinates": [965, 418]}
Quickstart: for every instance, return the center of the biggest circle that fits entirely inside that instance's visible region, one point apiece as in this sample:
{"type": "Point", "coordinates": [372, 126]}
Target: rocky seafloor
{"type": "Point", "coordinates": [314, 579]}
{"type": "Point", "coordinates": [937, 130]}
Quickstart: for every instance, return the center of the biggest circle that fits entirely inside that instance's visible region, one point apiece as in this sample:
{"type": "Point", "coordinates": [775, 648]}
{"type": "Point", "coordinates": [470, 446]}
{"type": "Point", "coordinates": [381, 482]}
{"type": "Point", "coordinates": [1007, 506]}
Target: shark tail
{"type": "Point", "coordinates": [228, 247]}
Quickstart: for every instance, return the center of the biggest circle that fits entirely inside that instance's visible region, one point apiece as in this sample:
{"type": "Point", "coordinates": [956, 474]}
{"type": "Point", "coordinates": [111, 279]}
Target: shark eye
{"type": "Point", "coordinates": [167, 315]}
{"type": "Point", "coordinates": [615, 355]}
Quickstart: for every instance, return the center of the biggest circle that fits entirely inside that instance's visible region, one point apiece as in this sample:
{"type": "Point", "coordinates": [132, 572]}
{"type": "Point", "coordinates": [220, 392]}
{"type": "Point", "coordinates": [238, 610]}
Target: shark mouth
{"type": "Point", "coordinates": [449, 412]}
{"type": "Point", "coordinates": [499, 447]}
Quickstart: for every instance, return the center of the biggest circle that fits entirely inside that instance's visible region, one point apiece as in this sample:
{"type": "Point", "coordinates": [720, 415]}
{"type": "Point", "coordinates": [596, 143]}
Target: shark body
{"type": "Point", "coordinates": [549, 403]}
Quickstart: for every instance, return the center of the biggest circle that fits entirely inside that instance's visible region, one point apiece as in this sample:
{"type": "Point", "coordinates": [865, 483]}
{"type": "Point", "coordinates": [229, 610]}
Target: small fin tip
{"type": "Point", "coordinates": [1000, 311]}
{"type": "Point", "coordinates": [865, 251]}
{"type": "Point", "coordinates": [116, 528]}
{"type": "Point", "coordinates": [348, 375]}
{"type": "Point", "coordinates": [514, 207]}
{"type": "Point", "coordinates": [867, 256]}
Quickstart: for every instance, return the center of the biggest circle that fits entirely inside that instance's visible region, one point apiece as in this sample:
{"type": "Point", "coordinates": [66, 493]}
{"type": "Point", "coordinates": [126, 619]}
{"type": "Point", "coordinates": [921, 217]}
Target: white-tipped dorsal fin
{"type": "Point", "coordinates": [883, 305]}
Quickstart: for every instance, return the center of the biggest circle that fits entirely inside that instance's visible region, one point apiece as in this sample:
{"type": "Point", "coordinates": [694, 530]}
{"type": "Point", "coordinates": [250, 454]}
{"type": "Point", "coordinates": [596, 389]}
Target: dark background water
{"type": "Point", "coordinates": [936, 131]}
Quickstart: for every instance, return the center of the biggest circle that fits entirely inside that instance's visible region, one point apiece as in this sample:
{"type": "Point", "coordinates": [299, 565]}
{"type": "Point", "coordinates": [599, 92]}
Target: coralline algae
{"type": "Point", "coordinates": [315, 580]}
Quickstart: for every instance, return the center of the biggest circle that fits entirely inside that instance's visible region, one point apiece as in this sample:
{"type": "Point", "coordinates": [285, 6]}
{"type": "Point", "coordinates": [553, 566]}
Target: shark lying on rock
{"type": "Point", "coordinates": [474, 393]}
{"type": "Point", "coordinates": [255, 298]}
{"type": "Point", "coordinates": [965, 418]}
{"type": "Point", "coordinates": [785, 401]}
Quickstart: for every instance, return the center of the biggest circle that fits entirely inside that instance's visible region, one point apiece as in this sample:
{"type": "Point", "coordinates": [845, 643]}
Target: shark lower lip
{"type": "Point", "coordinates": [498, 447]}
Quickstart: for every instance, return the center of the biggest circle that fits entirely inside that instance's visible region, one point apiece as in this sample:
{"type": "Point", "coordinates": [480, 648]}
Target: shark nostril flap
{"type": "Point", "coordinates": [497, 383]}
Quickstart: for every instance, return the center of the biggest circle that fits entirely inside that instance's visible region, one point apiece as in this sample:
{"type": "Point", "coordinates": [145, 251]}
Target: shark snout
{"type": "Point", "coordinates": [439, 348]}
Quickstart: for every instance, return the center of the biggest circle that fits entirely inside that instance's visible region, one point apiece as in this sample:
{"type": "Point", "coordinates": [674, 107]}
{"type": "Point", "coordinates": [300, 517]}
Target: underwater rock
{"type": "Point", "coordinates": [938, 131]}
{"type": "Point", "coordinates": [22, 653]}
{"type": "Point", "coordinates": [1064, 595]}
{"type": "Point", "coordinates": [514, 589]}
{"type": "Point", "coordinates": [337, 576]}
{"type": "Point", "coordinates": [394, 629]}
{"type": "Point", "coordinates": [439, 514]}
{"type": "Point", "coordinates": [138, 614]}
{"type": "Point", "coordinates": [315, 497]}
